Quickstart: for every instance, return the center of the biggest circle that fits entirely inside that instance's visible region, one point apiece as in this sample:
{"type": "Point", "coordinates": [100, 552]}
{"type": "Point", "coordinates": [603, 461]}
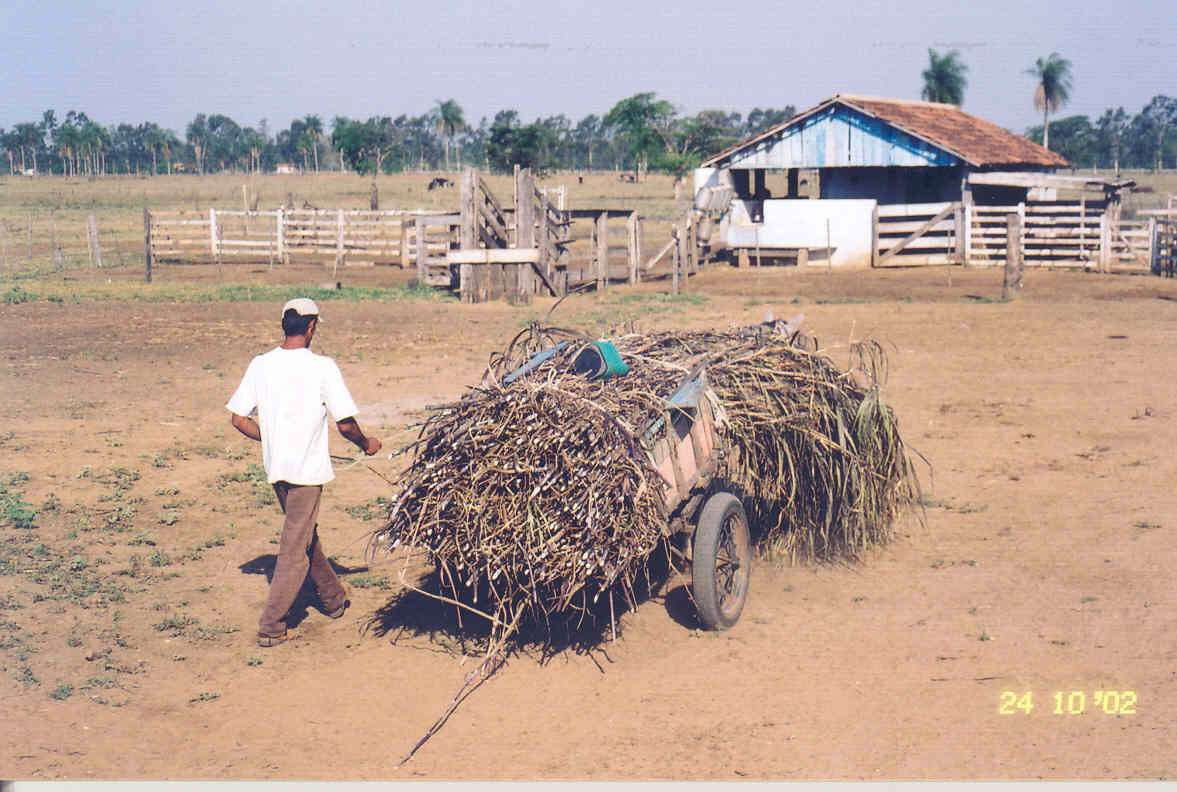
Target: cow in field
{"type": "Point", "coordinates": [439, 182]}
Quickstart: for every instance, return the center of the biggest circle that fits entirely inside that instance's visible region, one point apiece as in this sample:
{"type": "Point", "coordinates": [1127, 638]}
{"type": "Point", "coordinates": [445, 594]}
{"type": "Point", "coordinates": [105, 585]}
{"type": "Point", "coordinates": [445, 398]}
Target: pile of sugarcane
{"type": "Point", "coordinates": [534, 494]}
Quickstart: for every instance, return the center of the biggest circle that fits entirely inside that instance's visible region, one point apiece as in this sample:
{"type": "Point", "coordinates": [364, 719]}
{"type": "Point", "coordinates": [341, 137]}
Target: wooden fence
{"type": "Point", "coordinates": [1053, 233]}
{"type": "Point", "coordinates": [341, 237]}
{"type": "Point", "coordinates": [1164, 239]}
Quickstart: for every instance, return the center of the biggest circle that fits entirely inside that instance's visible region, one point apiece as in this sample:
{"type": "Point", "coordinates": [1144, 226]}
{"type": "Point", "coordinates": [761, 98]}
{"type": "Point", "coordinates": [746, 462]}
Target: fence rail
{"type": "Point", "coordinates": [339, 236]}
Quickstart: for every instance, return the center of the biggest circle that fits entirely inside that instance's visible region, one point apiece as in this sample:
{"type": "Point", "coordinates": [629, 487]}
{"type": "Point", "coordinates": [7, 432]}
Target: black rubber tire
{"type": "Point", "coordinates": [721, 561]}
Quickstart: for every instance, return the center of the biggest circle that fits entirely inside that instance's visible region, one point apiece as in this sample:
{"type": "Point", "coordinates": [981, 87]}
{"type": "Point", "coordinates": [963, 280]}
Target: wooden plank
{"type": "Point", "coordinates": [659, 255]}
{"type": "Point", "coordinates": [924, 243]}
{"type": "Point", "coordinates": [910, 210]}
{"type": "Point", "coordinates": [946, 226]}
{"type": "Point", "coordinates": [494, 256]}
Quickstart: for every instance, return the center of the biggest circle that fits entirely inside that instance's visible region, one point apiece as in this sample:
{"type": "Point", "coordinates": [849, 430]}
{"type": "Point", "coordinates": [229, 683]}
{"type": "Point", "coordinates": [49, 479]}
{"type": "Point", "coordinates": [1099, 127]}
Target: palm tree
{"type": "Point", "coordinates": [1053, 90]}
{"type": "Point", "coordinates": [312, 127]}
{"type": "Point", "coordinates": [944, 79]}
{"type": "Point", "coordinates": [450, 121]}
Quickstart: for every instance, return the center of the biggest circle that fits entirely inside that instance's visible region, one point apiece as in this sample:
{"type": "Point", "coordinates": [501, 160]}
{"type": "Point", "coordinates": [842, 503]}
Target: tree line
{"type": "Point", "coordinates": [640, 132]}
{"type": "Point", "coordinates": [1114, 140]}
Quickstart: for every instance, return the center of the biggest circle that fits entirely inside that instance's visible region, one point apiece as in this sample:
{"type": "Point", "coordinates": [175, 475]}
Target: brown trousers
{"type": "Point", "coordinates": [299, 550]}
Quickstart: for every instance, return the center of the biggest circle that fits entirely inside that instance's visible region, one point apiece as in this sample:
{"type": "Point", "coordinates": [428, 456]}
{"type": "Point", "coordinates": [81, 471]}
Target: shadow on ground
{"type": "Point", "coordinates": [411, 613]}
{"type": "Point", "coordinates": [307, 596]}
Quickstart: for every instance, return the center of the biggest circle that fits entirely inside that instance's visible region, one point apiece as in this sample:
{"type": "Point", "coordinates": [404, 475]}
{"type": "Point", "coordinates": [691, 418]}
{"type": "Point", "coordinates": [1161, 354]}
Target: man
{"type": "Point", "coordinates": [292, 390]}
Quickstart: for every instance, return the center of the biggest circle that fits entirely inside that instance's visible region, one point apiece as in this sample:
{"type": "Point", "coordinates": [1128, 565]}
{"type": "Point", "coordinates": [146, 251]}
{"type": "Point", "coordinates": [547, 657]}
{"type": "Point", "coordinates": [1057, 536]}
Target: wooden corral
{"type": "Point", "coordinates": [539, 246]}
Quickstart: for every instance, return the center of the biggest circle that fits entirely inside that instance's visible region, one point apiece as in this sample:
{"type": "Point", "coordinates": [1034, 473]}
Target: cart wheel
{"type": "Point", "coordinates": [721, 561]}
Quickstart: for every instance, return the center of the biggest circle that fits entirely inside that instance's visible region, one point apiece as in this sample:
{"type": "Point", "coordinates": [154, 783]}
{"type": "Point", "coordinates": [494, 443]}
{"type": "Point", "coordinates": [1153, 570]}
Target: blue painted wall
{"type": "Point", "coordinates": [840, 136]}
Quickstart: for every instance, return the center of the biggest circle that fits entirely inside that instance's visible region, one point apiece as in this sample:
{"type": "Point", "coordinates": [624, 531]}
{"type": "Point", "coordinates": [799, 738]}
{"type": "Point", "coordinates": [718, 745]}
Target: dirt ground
{"type": "Point", "coordinates": [128, 609]}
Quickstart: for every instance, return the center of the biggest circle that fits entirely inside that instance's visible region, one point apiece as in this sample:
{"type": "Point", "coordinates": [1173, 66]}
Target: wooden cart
{"type": "Point", "coordinates": [687, 458]}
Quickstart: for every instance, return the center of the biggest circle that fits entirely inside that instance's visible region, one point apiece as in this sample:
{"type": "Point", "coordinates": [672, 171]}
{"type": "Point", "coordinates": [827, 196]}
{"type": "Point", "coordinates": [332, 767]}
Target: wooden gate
{"type": "Point", "coordinates": [910, 234]}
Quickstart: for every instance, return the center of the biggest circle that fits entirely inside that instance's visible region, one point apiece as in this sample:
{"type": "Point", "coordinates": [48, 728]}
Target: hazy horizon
{"type": "Point", "coordinates": [127, 62]}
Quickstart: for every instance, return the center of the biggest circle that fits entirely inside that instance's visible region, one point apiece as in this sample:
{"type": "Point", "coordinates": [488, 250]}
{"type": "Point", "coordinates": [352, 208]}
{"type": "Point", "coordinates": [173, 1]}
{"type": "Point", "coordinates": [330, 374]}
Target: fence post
{"type": "Point", "coordinates": [338, 242]}
{"type": "Point", "coordinates": [1011, 285]}
{"type": "Point", "coordinates": [958, 233]}
{"type": "Point", "coordinates": [520, 283]}
{"type": "Point", "coordinates": [1105, 241]}
{"type": "Point", "coordinates": [146, 245]}
{"type": "Point", "coordinates": [631, 246]}
{"type": "Point", "coordinates": [213, 250]}
{"type": "Point", "coordinates": [281, 231]}
{"type": "Point", "coordinates": [58, 258]}
{"type": "Point", "coordinates": [1152, 246]}
{"type": "Point", "coordinates": [602, 226]}
{"type": "Point", "coordinates": [95, 249]}
{"type": "Point", "coordinates": [422, 251]}
{"type": "Point", "coordinates": [404, 247]}
{"type": "Point", "coordinates": [468, 230]}
{"type": "Point", "coordinates": [675, 260]}
{"type": "Point", "coordinates": [467, 234]}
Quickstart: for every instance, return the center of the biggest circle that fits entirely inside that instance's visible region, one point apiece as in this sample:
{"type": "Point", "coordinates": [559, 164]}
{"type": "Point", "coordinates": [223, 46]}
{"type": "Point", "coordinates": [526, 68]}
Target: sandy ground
{"type": "Point", "coordinates": [127, 613]}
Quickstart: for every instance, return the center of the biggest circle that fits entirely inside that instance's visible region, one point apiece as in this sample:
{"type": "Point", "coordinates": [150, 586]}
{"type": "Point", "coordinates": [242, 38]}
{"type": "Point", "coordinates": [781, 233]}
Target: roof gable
{"type": "Point", "coordinates": [871, 132]}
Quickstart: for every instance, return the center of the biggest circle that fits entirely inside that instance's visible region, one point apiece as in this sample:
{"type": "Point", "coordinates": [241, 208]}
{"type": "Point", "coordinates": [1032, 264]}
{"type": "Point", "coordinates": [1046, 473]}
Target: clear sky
{"type": "Point", "coordinates": [166, 61]}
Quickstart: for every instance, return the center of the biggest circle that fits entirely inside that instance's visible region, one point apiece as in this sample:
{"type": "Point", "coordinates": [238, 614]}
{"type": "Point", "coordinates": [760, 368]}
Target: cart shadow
{"type": "Point", "coordinates": [307, 597]}
{"type": "Point", "coordinates": [411, 614]}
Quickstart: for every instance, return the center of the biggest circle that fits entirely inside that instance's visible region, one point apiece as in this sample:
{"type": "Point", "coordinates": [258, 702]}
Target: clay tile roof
{"type": "Point", "coordinates": [975, 140]}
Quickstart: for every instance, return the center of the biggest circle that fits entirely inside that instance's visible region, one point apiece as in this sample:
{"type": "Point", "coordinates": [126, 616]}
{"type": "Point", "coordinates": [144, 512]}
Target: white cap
{"type": "Point", "coordinates": [303, 306]}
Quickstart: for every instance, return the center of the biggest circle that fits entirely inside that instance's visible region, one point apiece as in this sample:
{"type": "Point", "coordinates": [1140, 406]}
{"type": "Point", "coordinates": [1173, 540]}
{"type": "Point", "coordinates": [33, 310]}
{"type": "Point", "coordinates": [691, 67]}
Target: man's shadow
{"type": "Point", "coordinates": [307, 598]}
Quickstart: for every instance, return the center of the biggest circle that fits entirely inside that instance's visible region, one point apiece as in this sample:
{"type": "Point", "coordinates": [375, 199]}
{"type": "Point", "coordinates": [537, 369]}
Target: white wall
{"type": "Point", "coordinates": [801, 223]}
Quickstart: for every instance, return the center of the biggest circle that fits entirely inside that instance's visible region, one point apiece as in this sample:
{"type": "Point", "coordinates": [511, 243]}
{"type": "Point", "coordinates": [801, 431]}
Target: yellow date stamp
{"type": "Point", "coordinates": [1070, 702]}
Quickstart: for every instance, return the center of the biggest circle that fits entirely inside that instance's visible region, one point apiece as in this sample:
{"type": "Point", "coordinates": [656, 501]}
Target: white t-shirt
{"type": "Point", "coordinates": [293, 390]}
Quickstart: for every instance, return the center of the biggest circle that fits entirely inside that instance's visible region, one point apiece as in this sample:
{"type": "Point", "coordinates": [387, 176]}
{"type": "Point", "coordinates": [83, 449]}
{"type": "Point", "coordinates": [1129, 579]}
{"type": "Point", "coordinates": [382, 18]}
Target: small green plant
{"type": "Point", "coordinates": [14, 510]}
{"type": "Point", "coordinates": [176, 624]}
{"type": "Point", "coordinates": [207, 695]}
{"type": "Point", "coordinates": [169, 518]}
{"type": "Point", "coordinates": [253, 662]}
{"type": "Point", "coordinates": [255, 476]}
{"type": "Point", "coordinates": [369, 581]}
{"type": "Point", "coordinates": [377, 508]}
{"type": "Point", "coordinates": [984, 636]}
{"type": "Point", "coordinates": [16, 295]}
{"type": "Point", "coordinates": [61, 692]}
{"type": "Point", "coordinates": [159, 559]}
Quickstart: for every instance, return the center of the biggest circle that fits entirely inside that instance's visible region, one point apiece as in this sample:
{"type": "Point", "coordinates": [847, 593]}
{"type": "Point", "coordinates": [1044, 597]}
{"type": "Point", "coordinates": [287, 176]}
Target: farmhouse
{"type": "Point", "coordinates": [864, 181]}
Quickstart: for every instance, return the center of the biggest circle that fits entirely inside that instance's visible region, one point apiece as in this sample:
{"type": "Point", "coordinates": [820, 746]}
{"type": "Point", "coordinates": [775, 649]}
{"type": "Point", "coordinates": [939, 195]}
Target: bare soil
{"type": "Point", "coordinates": [127, 613]}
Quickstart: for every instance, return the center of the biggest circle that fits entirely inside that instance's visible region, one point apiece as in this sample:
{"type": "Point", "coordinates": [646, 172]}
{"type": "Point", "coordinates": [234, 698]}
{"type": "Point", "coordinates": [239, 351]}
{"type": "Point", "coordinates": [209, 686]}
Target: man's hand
{"type": "Point", "coordinates": [350, 429]}
{"type": "Point", "coordinates": [247, 427]}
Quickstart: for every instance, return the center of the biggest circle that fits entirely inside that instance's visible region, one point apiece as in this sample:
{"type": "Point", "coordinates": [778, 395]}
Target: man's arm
{"type": "Point", "coordinates": [247, 427]}
{"type": "Point", "coordinates": [350, 429]}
